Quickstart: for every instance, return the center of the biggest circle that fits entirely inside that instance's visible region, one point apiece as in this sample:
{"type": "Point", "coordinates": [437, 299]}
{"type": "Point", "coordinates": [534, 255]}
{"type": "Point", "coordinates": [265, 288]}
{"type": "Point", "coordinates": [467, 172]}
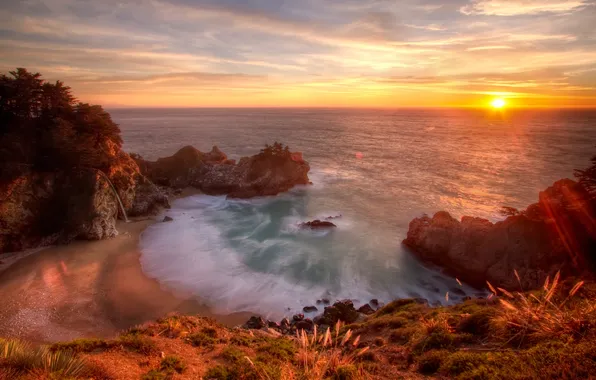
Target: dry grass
{"type": "Point", "coordinates": [330, 354]}
{"type": "Point", "coordinates": [19, 359]}
{"type": "Point", "coordinates": [544, 315]}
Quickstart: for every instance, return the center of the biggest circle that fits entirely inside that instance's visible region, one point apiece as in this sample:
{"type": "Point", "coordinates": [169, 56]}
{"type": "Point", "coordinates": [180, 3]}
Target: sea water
{"type": "Point", "coordinates": [376, 169]}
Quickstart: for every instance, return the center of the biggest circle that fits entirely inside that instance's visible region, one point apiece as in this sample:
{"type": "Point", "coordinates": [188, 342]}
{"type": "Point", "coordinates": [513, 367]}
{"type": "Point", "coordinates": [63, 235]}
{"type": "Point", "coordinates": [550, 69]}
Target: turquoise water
{"type": "Point", "coordinates": [378, 169]}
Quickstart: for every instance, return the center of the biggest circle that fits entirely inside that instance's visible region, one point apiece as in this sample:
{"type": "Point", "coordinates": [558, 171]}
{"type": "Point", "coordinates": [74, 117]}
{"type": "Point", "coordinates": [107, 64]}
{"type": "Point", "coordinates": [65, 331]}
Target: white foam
{"type": "Point", "coordinates": [240, 255]}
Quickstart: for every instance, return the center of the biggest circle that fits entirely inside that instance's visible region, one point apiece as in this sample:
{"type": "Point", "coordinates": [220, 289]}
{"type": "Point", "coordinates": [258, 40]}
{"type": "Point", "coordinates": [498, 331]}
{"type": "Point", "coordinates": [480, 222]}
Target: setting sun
{"type": "Point", "coordinates": [498, 103]}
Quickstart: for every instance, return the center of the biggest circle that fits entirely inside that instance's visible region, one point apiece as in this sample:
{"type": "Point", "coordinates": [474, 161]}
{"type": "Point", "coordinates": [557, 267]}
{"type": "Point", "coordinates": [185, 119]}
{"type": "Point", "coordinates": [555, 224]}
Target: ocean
{"type": "Point", "coordinates": [378, 169]}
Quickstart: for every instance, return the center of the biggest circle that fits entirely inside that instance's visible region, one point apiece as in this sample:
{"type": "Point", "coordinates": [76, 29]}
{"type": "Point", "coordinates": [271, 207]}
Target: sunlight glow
{"type": "Point", "coordinates": [498, 103]}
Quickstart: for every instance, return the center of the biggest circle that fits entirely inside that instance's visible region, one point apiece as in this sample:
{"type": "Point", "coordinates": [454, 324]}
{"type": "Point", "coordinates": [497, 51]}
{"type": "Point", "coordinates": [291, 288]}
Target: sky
{"type": "Point", "coordinates": [303, 53]}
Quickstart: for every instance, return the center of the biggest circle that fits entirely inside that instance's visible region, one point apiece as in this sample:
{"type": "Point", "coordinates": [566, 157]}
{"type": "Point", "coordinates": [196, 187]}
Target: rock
{"type": "Point", "coordinates": [167, 219]}
{"type": "Point", "coordinates": [273, 325]}
{"type": "Point", "coordinates": [340, 311]}
{"type": "Point", "coordinates": [255, 323]}
{"type": "Point", "coordinates": [298, 317]}
{"type": "Point", "coordinates": [310, 309]}
{"type": "Point", "coordinates": [306, 324]}
{"type": "Point", "coordinates": [285, 324]}
{"type": "Point", "coordinates": [317, 224]}
{"type": "Point", "coordinates": [333, 217]}
{"type": "Point", "coordinates": [551, 235]}
{"type": "Point", "coordinates": [44, 208]}
{"type": "Point", "coordinates": [374, 302]}
{"type": "Point", "coordinates": [148, 199]}
{"type": "Point", "coordinates": [366, 309]}
{"type": "Point", "coordinates": [324, 301]}
{"type": "Point", "coordinates": [259, 175]}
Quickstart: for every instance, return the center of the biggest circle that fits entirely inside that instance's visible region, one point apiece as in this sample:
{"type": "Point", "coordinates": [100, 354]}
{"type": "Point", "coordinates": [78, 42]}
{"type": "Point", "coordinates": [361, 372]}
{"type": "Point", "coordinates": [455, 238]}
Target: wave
{"type": "Point", "coordinates": [251, 255]}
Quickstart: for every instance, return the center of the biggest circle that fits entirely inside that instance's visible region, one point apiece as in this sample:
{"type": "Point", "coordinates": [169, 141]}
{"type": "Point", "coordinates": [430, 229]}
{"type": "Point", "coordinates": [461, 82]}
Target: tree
{"type": "Point", "coordinates": [587, 178]}
{"type": "Point", "coordinates": [44, 127]}
{"type": "Point", "coordinates": [276, 150]}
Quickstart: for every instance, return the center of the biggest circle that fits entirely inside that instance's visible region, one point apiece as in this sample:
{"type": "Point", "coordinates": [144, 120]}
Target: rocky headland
{"type": "Point", "coordinates": [558, 233]}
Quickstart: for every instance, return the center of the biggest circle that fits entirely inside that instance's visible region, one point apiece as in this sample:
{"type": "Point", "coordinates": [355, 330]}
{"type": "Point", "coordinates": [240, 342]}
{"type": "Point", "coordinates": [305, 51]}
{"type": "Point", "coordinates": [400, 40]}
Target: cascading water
{"type": "Point", "coordinates": [117, 196]}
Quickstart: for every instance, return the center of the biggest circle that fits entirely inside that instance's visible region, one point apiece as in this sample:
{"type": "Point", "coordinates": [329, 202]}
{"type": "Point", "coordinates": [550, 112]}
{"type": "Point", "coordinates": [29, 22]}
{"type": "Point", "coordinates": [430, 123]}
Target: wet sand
{"type": "Point", "coordinates": [87, 289]}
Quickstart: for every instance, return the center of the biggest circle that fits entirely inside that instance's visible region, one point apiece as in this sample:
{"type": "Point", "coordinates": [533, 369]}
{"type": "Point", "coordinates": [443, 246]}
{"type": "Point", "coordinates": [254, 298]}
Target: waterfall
{"type": "Point", "coordinates": [117, 196]}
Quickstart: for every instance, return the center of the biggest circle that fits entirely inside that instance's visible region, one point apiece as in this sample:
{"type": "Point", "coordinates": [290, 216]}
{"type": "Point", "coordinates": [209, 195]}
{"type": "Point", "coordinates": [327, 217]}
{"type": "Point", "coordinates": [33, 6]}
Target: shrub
{"type": "Point", "coordinates": [430, 362]}
{"type": "Point", "coordinates": [137, 343]}
{"type": "Point", "coordinates": [82, 345]}
{"type": "Point", "coordinates": [172, 363]}
{"type": "Point", "coordinates": [522, 319]}
{"type": "Point", "coordinates": [345, 372]}
{"type": "Point", "coordinates": [200, 339]}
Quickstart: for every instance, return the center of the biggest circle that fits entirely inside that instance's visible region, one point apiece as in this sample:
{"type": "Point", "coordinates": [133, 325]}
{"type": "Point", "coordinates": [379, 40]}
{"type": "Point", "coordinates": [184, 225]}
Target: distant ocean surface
{"type": "Point", "coordinates": [376, 168]}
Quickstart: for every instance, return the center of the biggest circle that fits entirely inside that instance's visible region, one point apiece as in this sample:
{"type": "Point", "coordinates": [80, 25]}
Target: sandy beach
{"type": "Point", "coordinates": [87, 289]}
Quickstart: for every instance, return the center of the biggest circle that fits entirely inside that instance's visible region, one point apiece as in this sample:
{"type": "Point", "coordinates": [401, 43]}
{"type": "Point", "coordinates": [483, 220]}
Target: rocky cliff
{"type": "Point", "coordinates": [40, 209]}
{"type": "Point", "coordinates": [213, 173]}
{"type": "Point", "coordinates": [556, 233]}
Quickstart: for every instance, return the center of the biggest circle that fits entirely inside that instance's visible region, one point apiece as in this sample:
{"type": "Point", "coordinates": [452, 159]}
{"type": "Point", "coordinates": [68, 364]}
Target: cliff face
{"type": "Point", "coordinates": [557, 233]}
{"type": "Point", "coordinates": [40, 209]}
{"type": "Point", "coordinates": [213, 173]}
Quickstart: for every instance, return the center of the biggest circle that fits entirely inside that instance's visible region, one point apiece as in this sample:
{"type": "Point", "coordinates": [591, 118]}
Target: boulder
{"type": "Point", "coordinates": [255, 323]}
{"type": "Point", "coordinates": [306, 324]}
{"type": "Point", "coordinates": [557, 233]}
{"type": "Point", "coordinates": [366, 309]}
{"type": "Point", "coordinates": [43, 208]}
{"type": "Point", "coordinates": [317, 224]}
{"type": "Point", "coordinates": [310, 309]}
{"type": "Point", "coordinates": [167, 219]}
{"type": "Point", "coordinates": [340, 311]}
{"type": "Point", "coordinates": [324, 301]}
{"type": "Point", "coordinates": [298, 317]}
{"type": "Point", "coordinates": [285, 324]}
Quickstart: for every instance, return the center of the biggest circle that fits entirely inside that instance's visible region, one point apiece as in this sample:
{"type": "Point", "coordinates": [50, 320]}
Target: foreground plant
{"type": "Point", "coordinates": [324, 355]}
{"type": "Point", "coordinates": [544, 315]}
{"type": "Point", "coordinates": [19, 359]}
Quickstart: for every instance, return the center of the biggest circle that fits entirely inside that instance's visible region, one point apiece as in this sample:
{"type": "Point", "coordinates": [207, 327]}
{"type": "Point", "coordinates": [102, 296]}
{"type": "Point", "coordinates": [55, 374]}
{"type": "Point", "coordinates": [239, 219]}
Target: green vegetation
{"type": "Point", "coordinates": [18, 359]}
{"type": "Point", "coordinates": [43, 127]}
{"type": "Point", "coordinates": [276, 150]}
{"type": "Point", "coordinates": [547, 334]}
{"type": "Point", "coordinates": [587, 177]}
{"type": "Point", "coordinates": [172, 363]}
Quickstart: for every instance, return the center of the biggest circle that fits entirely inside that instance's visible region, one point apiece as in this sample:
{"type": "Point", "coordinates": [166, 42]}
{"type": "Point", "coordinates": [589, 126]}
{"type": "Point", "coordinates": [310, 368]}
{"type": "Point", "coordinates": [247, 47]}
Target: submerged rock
{"type": "Point", "coordinates": [317, 224]}
{"type": "Point", "coordinates": [557, 233]}
{"type": "Point", "coordinates": [167, 219]}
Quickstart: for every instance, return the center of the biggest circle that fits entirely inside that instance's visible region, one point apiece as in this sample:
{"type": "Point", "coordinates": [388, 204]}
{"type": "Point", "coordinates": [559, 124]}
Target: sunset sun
{"type": "Point", "coordinates": [498, 103]}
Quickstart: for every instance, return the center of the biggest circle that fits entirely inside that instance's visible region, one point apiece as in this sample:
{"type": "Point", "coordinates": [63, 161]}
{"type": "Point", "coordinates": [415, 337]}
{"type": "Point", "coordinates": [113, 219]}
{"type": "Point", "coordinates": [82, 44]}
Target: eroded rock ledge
{"type": "Point", "coordinates": [556, 233]}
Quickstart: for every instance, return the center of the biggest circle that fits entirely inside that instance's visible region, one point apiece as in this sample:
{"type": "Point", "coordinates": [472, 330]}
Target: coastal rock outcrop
{"type": "Point", "coordinates": [267, 173]}
{"type": "Point", "coordinates": [557, 233]}
{"type": "Point", "coordinates": [43, 208]}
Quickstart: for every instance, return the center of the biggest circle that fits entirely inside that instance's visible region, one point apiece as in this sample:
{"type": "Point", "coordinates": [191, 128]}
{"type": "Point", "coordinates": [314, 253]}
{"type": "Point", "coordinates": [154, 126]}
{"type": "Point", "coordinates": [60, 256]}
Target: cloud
{"type": "Point", "coordinates": [519, 7]}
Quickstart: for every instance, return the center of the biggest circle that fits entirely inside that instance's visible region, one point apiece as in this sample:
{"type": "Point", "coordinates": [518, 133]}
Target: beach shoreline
{"type": "Point", "coordinates": [89, 289]}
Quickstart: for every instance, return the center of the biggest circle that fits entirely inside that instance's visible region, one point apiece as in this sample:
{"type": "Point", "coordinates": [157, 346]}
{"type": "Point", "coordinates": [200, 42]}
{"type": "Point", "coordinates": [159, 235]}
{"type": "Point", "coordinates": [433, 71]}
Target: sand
{"type": "Point", "coordinates": [87, 289]}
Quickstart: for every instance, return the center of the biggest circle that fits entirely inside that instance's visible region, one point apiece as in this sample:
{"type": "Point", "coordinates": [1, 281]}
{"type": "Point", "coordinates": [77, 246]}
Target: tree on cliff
{"type": "Point", "coordinates": [277, 149]}
{"type": "Point", "coordinates": [587, 177]}
{"type": "Point", "coordinates": [44, 127]}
